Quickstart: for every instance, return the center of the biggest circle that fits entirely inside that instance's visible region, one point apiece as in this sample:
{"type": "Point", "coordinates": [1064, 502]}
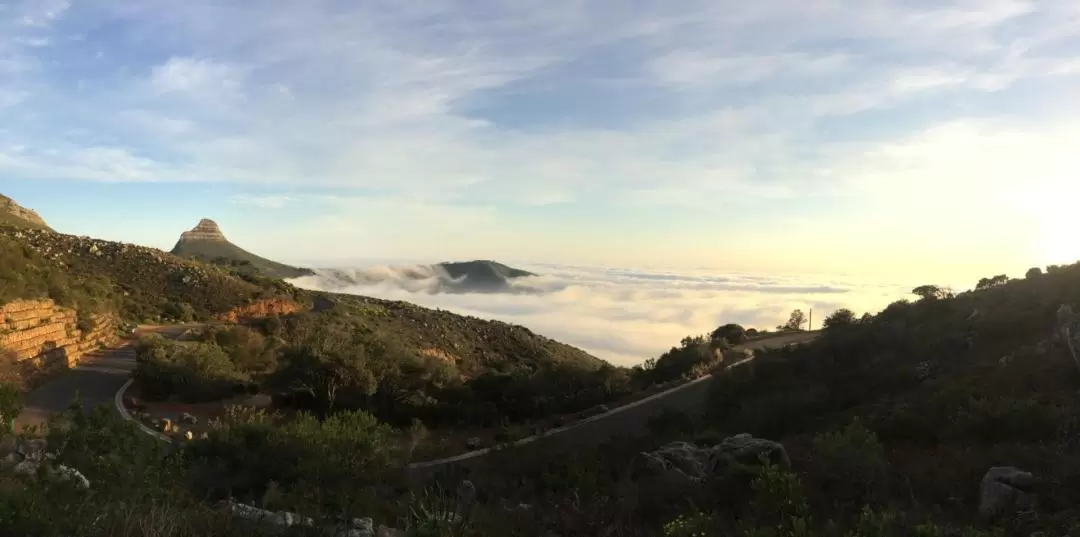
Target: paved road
{"type": "Point", "coordinates": [94, 381]}
{"type": "Point", "coordinates": [628, 420]}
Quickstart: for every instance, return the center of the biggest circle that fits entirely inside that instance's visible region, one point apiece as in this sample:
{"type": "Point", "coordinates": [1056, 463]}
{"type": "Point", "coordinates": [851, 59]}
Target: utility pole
{"type": "Point", "coordinates": [810, 325]}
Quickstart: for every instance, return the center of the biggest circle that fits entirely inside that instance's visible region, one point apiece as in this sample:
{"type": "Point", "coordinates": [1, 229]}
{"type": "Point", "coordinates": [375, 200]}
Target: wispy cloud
{"type": "Point", "coordinates": [598, 108]}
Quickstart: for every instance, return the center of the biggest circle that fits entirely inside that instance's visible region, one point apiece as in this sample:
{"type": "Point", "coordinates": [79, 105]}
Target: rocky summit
{"type": "Point", "coordinates": [206, 242]}
{"type": "Point", "coordinates": [12, 213]}
{"type": "Point", "coordinates": [206, 230]}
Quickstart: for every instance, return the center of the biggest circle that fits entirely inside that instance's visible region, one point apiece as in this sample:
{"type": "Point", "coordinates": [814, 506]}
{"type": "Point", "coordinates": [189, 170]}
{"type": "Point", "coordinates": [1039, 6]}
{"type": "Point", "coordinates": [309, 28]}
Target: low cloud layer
{"type": "Point", "coordinates": [624, 316]}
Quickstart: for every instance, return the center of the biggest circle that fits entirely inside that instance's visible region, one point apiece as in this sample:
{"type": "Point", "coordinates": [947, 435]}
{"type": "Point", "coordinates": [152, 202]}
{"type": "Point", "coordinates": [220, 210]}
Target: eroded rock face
{"type": "Point", "coordinates": [686, 462]}
{"type": "Point", "coordinates": [206, 230]}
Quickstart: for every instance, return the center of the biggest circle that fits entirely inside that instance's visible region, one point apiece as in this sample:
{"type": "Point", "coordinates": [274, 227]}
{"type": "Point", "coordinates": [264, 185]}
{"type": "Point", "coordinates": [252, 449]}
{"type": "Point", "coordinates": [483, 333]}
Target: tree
{"type": "Point", "coordinates": [986, 283]}
{"type": "Point", "coordinates": [796, 320]}
{"type": "Point", "coordinates": [1033, 272]}
{"type": "Point", "coordinates": [325, 362]}
{"type": "Point", "coordinates": [932, 292]}
{"type": "Point", "coordinates": [840, 317]}
{"type": "Point", "coordinates": [732, 333]}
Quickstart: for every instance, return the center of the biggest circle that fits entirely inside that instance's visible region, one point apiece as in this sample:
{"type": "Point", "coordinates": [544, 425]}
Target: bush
{"type": "Point", "coordinates": [194, 372]}
{"type": "Point", "coordinates": [849, 464]}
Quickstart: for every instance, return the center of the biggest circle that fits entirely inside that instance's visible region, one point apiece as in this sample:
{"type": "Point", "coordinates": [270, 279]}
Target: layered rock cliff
{"type": "Point", "coordinates": [42, 337]}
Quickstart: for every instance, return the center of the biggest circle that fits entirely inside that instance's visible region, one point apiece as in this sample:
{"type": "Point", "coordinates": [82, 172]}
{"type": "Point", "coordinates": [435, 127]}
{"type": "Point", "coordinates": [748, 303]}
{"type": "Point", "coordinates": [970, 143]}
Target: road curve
{"type": "Point", "coordinates": [94, 381]}
{"type": "Point", "coordinates": [632, 418]}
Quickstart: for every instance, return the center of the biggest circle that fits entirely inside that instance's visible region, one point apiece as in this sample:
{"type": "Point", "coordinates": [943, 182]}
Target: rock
{"type": "Point", "coordinates": [466, 493]}
{"type": "Point", "coordinates": [71, 474]}
{"type": "Point", "coordinates": [473, 443]}
{"type": "Point", "coordinates": [278, 518]}
{"type": "Point", "coordinates": [358, 527]}
{"type": "Point", "coordinates": [27, 467]}
{"type": "Point", "coordinates": [686, 462]}
{"type": "Point", "coordinates": [1068, 329]}
{"type": "Point", "coordinates": [32, 449]}
{"type": "Point", "coordinates": [1004, 492]}
{"type": "Point", "coordinates": [924, 371]}
{"type": "Point", "coordinates": [385, 531]}
{"type": "Point", "coordinates": [188, 419]}
{"type": "Point", "coordinates": [205, 230]}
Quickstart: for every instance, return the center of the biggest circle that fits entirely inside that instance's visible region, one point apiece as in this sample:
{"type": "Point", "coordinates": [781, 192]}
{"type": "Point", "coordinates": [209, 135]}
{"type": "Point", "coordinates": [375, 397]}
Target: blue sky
{"type": "Point", "coordinates": [891, 138]}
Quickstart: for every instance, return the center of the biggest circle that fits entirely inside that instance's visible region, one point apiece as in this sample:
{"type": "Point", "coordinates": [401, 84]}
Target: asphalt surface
{"type": "Point", "coordinates": [94, 381]}
{"type": "Point", "coordinates": [628, 420]}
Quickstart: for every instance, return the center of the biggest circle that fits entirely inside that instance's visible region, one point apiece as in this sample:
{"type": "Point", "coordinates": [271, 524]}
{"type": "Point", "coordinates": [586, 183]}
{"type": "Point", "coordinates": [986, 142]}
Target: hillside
{"type": "Point", "coordinates": [15, 215]}
{"type": "Point", "coordinates": [474, 344]}
{"type": "Point", "coordinates": [206, 242]}
{"type": "Point", "coordinates": [138, 283]}
{"type": "Point", "coordinates": [483, 275]}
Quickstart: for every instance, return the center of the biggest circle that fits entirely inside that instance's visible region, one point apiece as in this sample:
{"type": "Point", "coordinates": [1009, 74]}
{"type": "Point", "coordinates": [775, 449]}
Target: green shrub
{"type": "Point", "coordinates": [194, 372]}
{"type": "Point", "coordinates": [849, 464]}
{"type": "Point", "coordinates": [995, 419]}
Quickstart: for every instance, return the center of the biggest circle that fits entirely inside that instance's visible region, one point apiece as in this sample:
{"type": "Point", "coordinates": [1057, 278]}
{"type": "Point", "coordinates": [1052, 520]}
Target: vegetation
{"type": "Point", "coordinates": [138, 283]}
{"type": "Point", "coordinates": [229, 255]}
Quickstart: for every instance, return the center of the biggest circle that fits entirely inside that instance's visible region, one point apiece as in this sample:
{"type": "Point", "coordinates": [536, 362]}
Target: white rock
{"type": "Point", "coordinates": [73, 475]}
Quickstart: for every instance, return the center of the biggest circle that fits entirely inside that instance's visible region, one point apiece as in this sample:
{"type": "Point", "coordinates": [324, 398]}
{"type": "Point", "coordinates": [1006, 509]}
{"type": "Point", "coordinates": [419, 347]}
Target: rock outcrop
{"type": "Point", "coordinates": [205, 230]}
{"type": "Point", "coordinates": [1006, 492]}
{"type": "Point", "coordinates": [13, 213]}
{"type": "Point", "coordinates": [688, 463]}
{"type": "Point", "coordinates": [1068, 329]}
{"type": "Point", "coordinates": [205, 242]}
{"type": "Point", "coordinates": [43, 337]}
{"type": "Point", "coordinates": [261, 309]}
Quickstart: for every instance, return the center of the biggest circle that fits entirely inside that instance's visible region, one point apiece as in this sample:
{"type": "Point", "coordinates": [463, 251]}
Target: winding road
{"type": "Point", "coordinates": [630, 419]}
{"type": "Point", "coordinates": [94, 381]}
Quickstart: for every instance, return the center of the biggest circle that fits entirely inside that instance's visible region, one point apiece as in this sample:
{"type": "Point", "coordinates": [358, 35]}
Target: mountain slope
{"type": "Point", "coordinates": [206, 242]}
{"type": "Point", "coordinates": [483, 275]}
{"type": "Point", "coordinates": [137, 282]}
{"type": "Point", "coordinates": [13, 214]}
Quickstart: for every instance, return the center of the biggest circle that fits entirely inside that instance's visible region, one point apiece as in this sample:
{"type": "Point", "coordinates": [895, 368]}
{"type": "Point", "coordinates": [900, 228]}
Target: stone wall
{"type": "Point", "coordinates": [41, 334]}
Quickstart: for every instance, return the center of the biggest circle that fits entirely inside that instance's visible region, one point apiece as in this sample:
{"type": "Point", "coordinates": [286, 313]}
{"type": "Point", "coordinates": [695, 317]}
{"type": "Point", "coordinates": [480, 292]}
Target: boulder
{"type": "Point", "coordinates": [385, 531]}
{"type": "Point", "coordinates": [686, 462]}
{"type": "Point", "coordinates": [358, 527]}
{"type": "Point", "coordinates": [1004, 492]}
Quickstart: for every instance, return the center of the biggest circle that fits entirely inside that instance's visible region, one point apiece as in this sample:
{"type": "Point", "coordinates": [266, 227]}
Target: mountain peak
{"type": "Point", "coordinates": [205, 230]}
{"type": "Point", "coordinates": [13, 213]}
{"type": "Point", "coordinates": [207, 243]}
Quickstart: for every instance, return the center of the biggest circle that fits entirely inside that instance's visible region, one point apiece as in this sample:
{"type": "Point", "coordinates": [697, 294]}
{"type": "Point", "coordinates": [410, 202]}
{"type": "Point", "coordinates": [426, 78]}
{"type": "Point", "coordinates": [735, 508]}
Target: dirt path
{"type": "Point", "coordinates": [629, 419]}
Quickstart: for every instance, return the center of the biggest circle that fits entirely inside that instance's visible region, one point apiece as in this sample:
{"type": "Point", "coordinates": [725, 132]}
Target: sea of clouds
{"type": "Point", "coordinates": [624, 316]}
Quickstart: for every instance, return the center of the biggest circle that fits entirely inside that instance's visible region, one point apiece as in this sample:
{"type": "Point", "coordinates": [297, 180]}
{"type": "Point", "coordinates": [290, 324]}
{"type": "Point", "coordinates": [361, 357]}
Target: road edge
{"type": "Point", "coordinates": [118, 400]}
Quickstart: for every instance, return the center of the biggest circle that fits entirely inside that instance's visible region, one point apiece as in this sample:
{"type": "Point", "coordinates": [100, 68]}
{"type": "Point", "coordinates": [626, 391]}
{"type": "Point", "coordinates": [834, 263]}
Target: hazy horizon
{"type": "Point", "coordinates": [628, 315]}
{"type": "Point", "coordinates": [926, 141]}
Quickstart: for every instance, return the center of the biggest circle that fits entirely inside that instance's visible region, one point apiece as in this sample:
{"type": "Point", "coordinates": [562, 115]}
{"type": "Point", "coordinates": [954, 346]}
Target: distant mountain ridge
{"type": "Point", "coordinates": [206, 242]}
{"type": "Point", "coordinates": [479, 276]}
{"type": "Point", "coordinates": [13, 214]}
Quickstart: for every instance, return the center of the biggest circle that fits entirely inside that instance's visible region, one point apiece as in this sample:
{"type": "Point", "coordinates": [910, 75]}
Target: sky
{"type": "Point", "coordinates": [892, 139]}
